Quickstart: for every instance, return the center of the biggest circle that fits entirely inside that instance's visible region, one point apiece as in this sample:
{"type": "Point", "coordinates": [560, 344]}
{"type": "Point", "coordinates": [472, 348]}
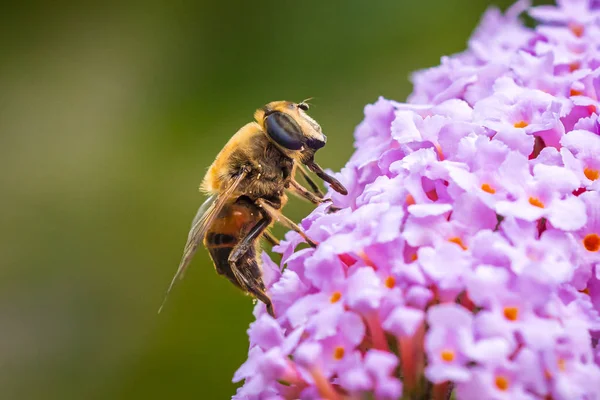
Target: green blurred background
{"type": "Point", "coordinates": [109, 116]}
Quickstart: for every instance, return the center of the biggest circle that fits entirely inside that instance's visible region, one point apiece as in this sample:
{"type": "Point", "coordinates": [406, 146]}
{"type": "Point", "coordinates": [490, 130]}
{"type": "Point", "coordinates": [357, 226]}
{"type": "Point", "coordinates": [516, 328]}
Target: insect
{"type": "Point", "coordinates": [247, 184]}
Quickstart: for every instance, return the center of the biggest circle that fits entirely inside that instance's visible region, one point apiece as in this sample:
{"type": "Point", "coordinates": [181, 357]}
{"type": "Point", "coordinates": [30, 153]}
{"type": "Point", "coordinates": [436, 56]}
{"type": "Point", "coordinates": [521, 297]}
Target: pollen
{"type": "Point", "coordinates": [574, 66]}
{"type": "Point", "coordinates": [335, 297]}
{"type": "Point", "coordinates": [577, 29]}
{"type": "Point", "coordinates": [511, 313]}
{"type": "Point", "coordinates": [390, 282]}
{"type": "Point", "coordinates": [447, 355]}
{"type": "Point", "coordinates": [366, 259]}
{"type": "Point", "coordinates": [414, 257]}
{"type": "Point", "coordinates": [591, 174]}
{"type": "Point", "coordinates": [487, 188]}
{"type": "Point", "coordinates": [575, 92]}
{"type": "Point", "coordinates": [458, 241]}
{"type": "Point", "coordinates": [410, 200]}
{"type": "Point", "coordinates": [501, 382]}
{"type": "Point", "coordinates": [338, 353]}
{"type": "Point", "coordinates": [439, 151]}
{"type": "Point", "coordinates": [585, 291]}
{"type": "Point", "coordinates": [591, 242]}
{"type": "Point", "coordinates": [534, 201]}
{"type": "Point", "coordinates": [520, 124]}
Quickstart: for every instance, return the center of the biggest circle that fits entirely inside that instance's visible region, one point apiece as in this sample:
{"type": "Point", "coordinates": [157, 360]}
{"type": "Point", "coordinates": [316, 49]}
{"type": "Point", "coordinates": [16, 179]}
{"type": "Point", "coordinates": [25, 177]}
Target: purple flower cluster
{"type": "Point", "coordinates": [466, 256]}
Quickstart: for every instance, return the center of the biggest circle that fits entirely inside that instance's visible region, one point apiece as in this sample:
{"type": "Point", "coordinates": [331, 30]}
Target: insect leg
{"type": "Point", "coordinates": [315, 188]}
{"type": "Point", "coordinates": [304, 193]}
{"type": "Point", "coordinates": [262, 296]}
{"type": "Point", "coordinates": [248, 274]}
{"type": "Point", "coordinates": [276, 214]}
{"type": "Point", "coordinates": [271, 238]}
{"type": "Point", "coordinates": [242, 246]}
{"type": "Point", "coordinates": [244, 264]}
{"type": "Point", "coordinates": [335, 184]}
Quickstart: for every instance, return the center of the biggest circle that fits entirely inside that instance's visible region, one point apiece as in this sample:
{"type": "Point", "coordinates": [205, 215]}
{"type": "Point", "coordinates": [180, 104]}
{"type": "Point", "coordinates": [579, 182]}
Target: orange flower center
{"type": "Point", "coordinates": [335, 297]}
{"type": "Point", "coordinates": [366, 259]}
{"type": "Point", "coordinates": [520, 124]}
{"type": "Point", "coordinates": [592, 108]}
{"type": "Point", "coordinates": [447, 355]}
{"type": "Point", "coordinates": [390, 282]}
{"type": "Point", "coordinates": [574, 66]}
{"type": "Point", "coordinates": [577, 29]}
{"type": "Point", "coordinates": [562, 364]}
{"type": "Point", "coordinates": [487, 188]}
{"type": "Point", "coordinates": [591, 241]}
{"type": "Point", "coordinates": [585, 291]}
{"type": "Point", "coordinates": [414, 257]}
{"type": "Point", "coordinates": [410, 200]}
{"type": "Point", "coordinates": [511, 313]}
{"type": "Point", "coordinates": [501, 382]}
{"type": "Point", "coordinates": [458, 241]}
{"type": "Point", "coordinates": [440, 153]}
{"type": "Point", "coordinates": [591, 174]}
{"type": "Point", "coordinates": [534, 201]}
{"type": "Point", "coordinates": [574, 92]}
{"type": "Point", "coordinates": [338, 353]}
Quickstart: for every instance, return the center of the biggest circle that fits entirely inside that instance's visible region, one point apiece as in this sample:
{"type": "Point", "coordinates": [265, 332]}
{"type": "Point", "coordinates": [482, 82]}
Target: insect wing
{"type": "Point", "coordinates": [204, 218]}
{"type": "Point", "coordinates": [201, 214]}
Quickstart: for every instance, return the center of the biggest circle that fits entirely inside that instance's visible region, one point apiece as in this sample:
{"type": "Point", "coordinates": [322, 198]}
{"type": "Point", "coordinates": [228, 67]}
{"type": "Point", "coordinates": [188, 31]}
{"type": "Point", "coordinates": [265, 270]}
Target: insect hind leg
{"type": "Point", "coordinates": [248, 241]}
{"type": "Point", "coordinates": [262, 296]}
{"type": "Point", "coordinates": [249, 276]}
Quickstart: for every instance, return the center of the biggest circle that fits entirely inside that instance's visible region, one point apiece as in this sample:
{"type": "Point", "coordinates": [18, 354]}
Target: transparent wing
{"type": "Point", "coordinates": [201, 214]}
{"type": "Point", "coordinates": [204, 218]}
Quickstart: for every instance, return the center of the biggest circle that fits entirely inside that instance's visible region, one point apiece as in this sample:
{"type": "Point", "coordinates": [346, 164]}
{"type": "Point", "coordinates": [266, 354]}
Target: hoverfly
{"type": "Point", "coordinates": [247, 184]}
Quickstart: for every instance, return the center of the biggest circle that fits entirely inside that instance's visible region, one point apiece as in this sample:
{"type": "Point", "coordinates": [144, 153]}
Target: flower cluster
{"type": "Point", "coordinates": [466, 257]}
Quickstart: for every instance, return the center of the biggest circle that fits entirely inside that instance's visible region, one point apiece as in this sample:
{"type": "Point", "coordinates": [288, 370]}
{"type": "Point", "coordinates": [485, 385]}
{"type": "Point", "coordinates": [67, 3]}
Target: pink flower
{"type": "Point", "coordinates": [466, 255]}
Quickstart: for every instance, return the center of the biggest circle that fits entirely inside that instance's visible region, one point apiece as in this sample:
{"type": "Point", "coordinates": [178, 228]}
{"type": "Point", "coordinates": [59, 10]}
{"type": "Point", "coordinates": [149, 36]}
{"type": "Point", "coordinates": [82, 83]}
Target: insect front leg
{"type": "Point", "coordinates": [335, 184]}
{"type": "Point", "coordinates": [313, 186]}
{"type": "Point", "coordinates": [276, 215]}
{"type": "Point", "coordinates": [302, 192]}
{"type": "Point", "coordinates": [317, 192]}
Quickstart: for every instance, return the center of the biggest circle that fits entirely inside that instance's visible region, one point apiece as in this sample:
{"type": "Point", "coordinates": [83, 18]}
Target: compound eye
{"type": "Point", "coordinates": [303, 106]}
{"type": "Point", "coordinates": [284, 131]}
{"type": "Point", "coordinates": [316, 144]}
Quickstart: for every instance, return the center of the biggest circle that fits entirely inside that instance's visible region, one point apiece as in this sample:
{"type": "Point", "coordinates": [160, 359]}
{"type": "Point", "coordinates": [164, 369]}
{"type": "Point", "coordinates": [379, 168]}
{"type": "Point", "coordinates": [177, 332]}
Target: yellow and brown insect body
{"type": "Point", "coordinates": [248, 182]}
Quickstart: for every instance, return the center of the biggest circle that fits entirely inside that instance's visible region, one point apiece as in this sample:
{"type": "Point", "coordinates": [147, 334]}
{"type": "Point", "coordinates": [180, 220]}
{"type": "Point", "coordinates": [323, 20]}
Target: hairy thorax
{"type": "Point", "coordinates": [270, 170]}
